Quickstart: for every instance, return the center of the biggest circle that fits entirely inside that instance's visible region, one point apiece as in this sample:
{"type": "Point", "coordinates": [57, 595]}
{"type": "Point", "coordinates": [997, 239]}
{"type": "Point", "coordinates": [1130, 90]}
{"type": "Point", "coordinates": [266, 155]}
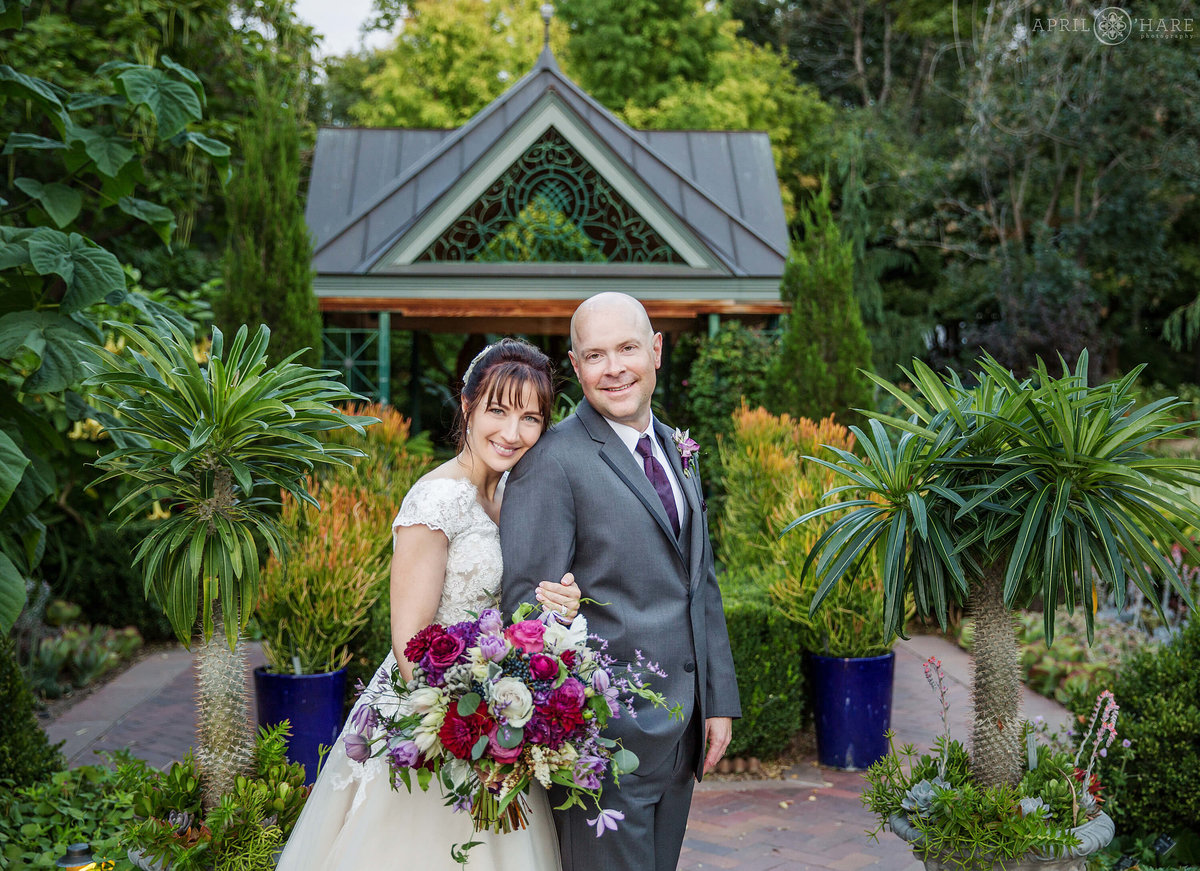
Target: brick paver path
{"type": "Point", "coordinates": [811, 818]}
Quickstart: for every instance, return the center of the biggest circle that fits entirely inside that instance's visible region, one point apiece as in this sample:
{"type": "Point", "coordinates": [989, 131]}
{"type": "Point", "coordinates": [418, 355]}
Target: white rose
{"type": "Point", "coordinates": [558, 637]}
{"type": "Point", "coordinates": [510, 699]}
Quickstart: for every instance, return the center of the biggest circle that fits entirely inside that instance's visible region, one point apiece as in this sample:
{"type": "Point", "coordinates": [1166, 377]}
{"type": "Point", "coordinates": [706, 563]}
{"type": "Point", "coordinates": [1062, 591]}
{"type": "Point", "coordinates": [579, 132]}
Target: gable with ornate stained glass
{"type": "Point", "coordinates": [550, 206]}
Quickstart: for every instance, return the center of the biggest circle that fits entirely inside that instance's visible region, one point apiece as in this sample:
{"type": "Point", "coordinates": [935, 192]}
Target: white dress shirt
{"type": "Point", "coordinates": [630, 437]}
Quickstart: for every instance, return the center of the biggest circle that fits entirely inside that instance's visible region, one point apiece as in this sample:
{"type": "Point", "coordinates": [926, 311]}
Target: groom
{"type": "Point", "coordinates": [605, 495]}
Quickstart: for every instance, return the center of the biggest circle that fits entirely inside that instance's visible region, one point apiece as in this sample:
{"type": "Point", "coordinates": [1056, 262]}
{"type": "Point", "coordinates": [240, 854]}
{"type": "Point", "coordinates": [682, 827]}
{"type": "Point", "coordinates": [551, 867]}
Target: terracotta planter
{"type": "Point", "coordinates": [1093, 835]}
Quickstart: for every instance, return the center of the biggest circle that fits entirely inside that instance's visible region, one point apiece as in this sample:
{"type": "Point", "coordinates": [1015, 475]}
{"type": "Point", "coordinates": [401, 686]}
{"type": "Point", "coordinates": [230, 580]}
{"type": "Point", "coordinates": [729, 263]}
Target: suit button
{"type": "Point", "coordinates": [689, 667]}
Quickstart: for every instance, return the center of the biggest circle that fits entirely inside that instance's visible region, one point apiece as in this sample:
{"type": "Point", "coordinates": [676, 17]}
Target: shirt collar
{"type": "Point", "coordinates": [630, 436]}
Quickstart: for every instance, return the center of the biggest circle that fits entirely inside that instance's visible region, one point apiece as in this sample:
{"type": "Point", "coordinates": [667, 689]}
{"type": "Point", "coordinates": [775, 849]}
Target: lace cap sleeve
{"type": "Point", "coordinates": [439, 503]}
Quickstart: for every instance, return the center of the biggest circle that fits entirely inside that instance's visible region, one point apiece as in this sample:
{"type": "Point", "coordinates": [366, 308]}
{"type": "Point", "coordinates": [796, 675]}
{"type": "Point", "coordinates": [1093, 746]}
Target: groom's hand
{"type": "Point", "coordinates": [717, 733]}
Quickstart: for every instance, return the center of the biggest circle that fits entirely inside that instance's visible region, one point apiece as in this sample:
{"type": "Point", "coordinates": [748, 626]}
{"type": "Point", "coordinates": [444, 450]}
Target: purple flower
{"type": "Point", "coordinates": [587, 772]}
{"type": "Point", "coordinates": [490, 622]}
{"type": "Point", "coordinates": [601, 680]}
{"type": "Point", "coordinates": [467, 630]}
{"type": "Point", "coordinates": [1103, 751]}
{"type": "Point", "coordinates": [493, 647]}
{"type": "Point", "coordinates": [405, 755]}
{"type": "Point", "coordinates": [358, 748]}
{"type": "Point", "coordinates": [365, 719]}
{"type": "Point", "coordinates": [1126, 743]}
{"type": "Point", "coordinates": [606, 821]}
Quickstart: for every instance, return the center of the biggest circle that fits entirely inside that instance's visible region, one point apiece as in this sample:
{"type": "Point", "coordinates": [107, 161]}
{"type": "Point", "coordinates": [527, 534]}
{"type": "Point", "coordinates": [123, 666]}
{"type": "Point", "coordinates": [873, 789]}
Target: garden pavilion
{"type": "Point", "coordinates": [542, 199]}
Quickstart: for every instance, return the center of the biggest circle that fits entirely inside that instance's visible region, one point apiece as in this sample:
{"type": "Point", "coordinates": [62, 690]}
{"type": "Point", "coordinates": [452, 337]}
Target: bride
{"type": "Point", "coordinates": [446, 565]}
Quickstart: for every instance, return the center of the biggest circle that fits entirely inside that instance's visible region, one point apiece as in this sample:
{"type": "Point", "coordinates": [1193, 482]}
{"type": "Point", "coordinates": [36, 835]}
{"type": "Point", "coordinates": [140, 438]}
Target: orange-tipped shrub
{"type": "Point", "coordinates": [769, 484]}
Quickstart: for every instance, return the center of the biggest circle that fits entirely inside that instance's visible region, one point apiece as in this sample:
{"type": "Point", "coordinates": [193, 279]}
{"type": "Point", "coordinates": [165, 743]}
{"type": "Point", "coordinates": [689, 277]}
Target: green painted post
{"type": "Point", "coordinates": [714, 325]}
{"type": "Point", "coordinates": [385, 357]}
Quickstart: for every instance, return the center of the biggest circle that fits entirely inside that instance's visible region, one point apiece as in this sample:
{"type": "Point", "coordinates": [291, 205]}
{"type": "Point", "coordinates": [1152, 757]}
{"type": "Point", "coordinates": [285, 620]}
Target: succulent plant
{"type": "Point", "coordinates": [918, 800]}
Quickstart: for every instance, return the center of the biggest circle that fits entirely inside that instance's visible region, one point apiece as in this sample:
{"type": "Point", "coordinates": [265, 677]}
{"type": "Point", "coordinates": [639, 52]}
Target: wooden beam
{"type": "Point", "coordinates": [524, 309]}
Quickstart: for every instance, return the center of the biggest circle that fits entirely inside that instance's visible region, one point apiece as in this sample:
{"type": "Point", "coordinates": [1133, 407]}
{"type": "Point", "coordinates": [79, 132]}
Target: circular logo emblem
{"type": "Point", "coordinates": [1113, 25]}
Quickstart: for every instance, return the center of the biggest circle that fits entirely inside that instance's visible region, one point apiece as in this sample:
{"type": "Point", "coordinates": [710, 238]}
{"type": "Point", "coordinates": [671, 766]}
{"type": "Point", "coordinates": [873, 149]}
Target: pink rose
{"type": "Point", "coordinates": [568, 697]}
{"type": "Point", "coordinates": [502, 754]}
{"type": "Point", "coordinates": [526, 635]}
{"type": "Point", "coordinates": [542, 667]}
{"type": "Point", "coordinates": [445, 651]}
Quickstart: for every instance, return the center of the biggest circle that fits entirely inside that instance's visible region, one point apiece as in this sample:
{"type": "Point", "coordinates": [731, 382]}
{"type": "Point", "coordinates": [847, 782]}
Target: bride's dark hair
{"type": "Point", "coordinates": [502, 372]}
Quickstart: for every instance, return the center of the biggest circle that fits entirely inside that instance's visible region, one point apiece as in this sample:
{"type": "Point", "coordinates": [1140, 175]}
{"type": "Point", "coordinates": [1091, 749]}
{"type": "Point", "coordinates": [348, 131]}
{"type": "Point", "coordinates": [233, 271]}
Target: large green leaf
{"type": "Point", "coordinates": [30, 141]}
{"type": "Point", "coordinates": [23, 87]}
{"type": "Point", "coordinates": [173, 102]}
{"type": "Point", "coordinates": [91, 273]}
{"type": "Point", "coordinates": [159, 217]}
{"type": "Point", "coordinates": [14, 246]}
{"type": "Point", "coordinates": [111, 152]}
{"type": "Point", "coordinates": [13, 464]}
{"type": "Point", "coordinates": [58, 343]}
{"type": "Point", "coordinates": [12, 594]}
{"type": "Point", "coordinates": [61, 202]}
{"type": "Point", "coordinates": [217, 151]}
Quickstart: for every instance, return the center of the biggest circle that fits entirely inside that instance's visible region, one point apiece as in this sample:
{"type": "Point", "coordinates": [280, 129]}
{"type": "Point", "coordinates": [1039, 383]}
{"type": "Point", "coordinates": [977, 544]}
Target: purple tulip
{"type": "Point", "coordinates": [490, 622]}
{"type": "Point", "coordinates": [404, 754]}
{"type": "Point", "coordinates": [358, 748]}
{"type": "Point", "coordinates": [493, 647]}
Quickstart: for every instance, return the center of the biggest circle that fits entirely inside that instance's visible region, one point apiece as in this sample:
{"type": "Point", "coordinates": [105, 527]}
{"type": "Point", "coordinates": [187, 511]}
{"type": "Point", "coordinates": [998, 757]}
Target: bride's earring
{"type": "Point", "coordinates": [468, 430]}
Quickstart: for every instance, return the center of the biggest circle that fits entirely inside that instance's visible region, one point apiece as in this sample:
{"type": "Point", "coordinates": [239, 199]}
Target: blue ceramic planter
{"type": "Point", "coordinates": [853, 700]}
{"type": "Point", "coordinates": [313, 703]}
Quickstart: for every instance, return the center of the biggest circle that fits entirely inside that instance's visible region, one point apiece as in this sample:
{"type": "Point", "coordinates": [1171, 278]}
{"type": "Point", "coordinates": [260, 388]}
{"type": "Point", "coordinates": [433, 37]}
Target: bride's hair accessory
{"type": "Point", "coordinates": [471, 366]}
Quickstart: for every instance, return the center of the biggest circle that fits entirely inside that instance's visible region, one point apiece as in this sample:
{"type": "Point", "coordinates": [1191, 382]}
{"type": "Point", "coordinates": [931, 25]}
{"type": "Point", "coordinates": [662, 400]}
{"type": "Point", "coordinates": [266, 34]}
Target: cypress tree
{"type": "Point", "coordinates": [824, 343]}
{"type": "Point", "coordinates": [26, 756]}
{"type": "Point", "coordinates": [268, 261]}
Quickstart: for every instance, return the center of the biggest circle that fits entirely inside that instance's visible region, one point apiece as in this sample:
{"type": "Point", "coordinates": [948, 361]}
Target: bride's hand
{"type": "Point", "coordinates": [561, 598]}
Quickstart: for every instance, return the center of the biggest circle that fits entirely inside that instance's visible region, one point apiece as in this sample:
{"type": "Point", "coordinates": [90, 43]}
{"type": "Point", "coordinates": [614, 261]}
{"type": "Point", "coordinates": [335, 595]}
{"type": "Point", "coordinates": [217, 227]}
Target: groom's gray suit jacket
{"type": "Point", "coordinates": [579, 501]}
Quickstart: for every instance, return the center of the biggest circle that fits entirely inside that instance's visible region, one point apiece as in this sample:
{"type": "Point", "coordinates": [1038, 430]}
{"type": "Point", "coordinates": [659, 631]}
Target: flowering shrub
{"type": "Point", "coordinates": [492, 708]}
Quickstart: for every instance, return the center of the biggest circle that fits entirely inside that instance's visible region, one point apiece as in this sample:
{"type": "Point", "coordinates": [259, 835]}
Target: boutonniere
{"type": "Point", "coordinates": [687, 449]}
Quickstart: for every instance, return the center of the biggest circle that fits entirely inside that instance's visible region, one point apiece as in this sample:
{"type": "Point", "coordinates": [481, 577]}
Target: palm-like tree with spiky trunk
{"type": "Point", "coordinates": [1001, 491]}
{"type": "Point", "coordinates": [216, 442]}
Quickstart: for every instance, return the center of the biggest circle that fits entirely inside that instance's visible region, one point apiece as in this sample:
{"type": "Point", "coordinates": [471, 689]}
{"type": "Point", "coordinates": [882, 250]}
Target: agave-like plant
{"type": "Point", "coordinates": [215, 442]}
{"type": "Point", "coordinates": [997, 492]}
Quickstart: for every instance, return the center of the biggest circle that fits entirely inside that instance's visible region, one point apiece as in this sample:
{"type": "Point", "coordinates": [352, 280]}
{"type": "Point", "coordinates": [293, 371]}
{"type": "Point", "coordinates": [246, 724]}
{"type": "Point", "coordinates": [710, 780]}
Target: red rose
{"type": "Point", "coordinates": [445, 651]}
{"type": "Point", "coordinates": [502, 754]}
{"type": "Point", "coordinates": [527, 635]}
{"type": "Point", "coordinates": [459, 734]}
{"type": "Point", "coordinates": [542, 667]}
{"type": "Point", "coordinates": [419, 643]}
{"type": "Point", "coordinates": [568, 658]}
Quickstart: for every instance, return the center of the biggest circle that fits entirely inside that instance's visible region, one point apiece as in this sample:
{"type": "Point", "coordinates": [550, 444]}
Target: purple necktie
{"type": "Point", "coordinates": [658, 477]}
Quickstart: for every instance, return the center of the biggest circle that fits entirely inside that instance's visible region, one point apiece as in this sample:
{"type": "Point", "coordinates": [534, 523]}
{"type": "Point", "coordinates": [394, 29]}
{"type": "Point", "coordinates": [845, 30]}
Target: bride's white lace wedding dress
{"type": "Point", "coordinates": [354, 820]}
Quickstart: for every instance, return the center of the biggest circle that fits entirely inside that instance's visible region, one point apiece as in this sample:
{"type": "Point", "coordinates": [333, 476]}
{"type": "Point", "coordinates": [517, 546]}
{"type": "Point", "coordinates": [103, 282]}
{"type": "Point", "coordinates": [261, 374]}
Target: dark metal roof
{"type": "Point", "coordinates": [370, 185]}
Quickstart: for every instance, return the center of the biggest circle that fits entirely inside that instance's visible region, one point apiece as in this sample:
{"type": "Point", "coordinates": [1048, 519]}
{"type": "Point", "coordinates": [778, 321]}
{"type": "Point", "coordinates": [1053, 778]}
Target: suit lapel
{"type": "Point", "coordinates": [689, 484]}
{"type": "Point", "coordinates": [618, 457]}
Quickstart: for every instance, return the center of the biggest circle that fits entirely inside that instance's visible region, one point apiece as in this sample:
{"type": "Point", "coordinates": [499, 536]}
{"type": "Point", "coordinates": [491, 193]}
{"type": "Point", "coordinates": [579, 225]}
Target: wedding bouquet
{"type": "Point", "coordinates": [491, 708]}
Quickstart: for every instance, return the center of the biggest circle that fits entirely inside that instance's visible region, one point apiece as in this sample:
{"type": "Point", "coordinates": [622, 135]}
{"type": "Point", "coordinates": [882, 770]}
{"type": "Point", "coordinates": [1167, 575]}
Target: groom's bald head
{"type": "Point", "coordinates": [610, 306]}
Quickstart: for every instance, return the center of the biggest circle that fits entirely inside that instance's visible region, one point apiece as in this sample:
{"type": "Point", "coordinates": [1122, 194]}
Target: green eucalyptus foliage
{"type": "Point", "coordinates": [213, 438]}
